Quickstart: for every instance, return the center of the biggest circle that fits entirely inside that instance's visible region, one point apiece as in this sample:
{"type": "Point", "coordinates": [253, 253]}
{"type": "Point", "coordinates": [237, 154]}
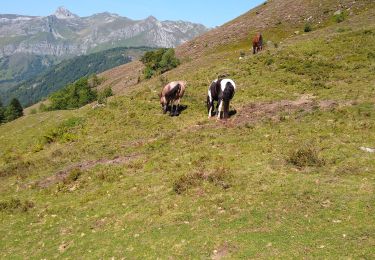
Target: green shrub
{"type": "Point", "coordinates": [73, 96]}
{"type": "Point", "coordinates": [307, 28]}
{"type": "Point", "coordinates": [159, 61]}
{"type": "Point", "coordinates": [43, 107]}
{"type": "Point", "coordinates": [14, 205]}
{"type": "Point", "coordinates": [269, 61]}
{"type": "Point", "coordinates": [304, 156]}
{"type": "Point", "coordinates": [63, 132]}
{"type": "Point", "coordinates": [73, 176]}
{"type": "Point", "coordinates": [339, 18]}
{"type": "Point", "coordinates": [104, 94]}
{"type": "Point", "coordinates": [218, 177]}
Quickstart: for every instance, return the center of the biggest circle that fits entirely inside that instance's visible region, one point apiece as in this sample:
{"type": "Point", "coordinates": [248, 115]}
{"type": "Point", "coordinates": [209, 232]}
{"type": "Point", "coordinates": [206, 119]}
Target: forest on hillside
{"type": "Point", "coordinates": [68, 71]}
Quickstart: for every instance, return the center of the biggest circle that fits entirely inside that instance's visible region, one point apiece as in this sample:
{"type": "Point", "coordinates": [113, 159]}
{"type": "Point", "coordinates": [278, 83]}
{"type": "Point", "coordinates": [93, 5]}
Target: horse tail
{"type": "Point", "coordinates": [228, 94]}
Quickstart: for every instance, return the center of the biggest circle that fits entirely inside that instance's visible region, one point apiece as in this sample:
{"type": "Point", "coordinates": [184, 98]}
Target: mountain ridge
{"type": "Point", "coordinates": [65, 34]}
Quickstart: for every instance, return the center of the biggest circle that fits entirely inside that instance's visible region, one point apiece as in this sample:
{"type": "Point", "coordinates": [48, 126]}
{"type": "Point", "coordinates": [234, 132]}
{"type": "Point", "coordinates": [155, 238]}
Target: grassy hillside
{"type": "Point", "coordinates": [283, 178]}
{"type": "Point", "coordinates": [33, 90]}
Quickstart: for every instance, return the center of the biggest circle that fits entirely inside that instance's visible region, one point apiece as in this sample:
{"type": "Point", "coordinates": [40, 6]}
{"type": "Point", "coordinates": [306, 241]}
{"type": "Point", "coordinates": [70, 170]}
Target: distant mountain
{"type": "Point", "coordinates": [68, 71]}
{"type": "Point", "coordinates": [30, 45]}
{"type": "Point", "coordinates": [64, 34]}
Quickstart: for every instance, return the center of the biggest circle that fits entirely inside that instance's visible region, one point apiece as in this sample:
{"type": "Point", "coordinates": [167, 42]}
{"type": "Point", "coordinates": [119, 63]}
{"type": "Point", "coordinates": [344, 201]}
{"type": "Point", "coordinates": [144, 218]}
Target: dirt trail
{"type": "Point", "coordinates": [63, 174]}
{"type": "Point", "coordinates": [256, 112]}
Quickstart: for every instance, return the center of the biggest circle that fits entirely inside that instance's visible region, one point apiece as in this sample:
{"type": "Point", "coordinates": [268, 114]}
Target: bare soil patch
{"type": "Point", "coordinates": [60, 176]}
{"type": "Point", "coordinates": [256, 112]}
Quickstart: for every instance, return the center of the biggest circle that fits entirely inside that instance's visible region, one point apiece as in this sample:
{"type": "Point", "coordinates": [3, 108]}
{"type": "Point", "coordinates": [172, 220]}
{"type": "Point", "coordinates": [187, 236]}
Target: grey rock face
{"type": "Point", "coordinates": [65, 34]}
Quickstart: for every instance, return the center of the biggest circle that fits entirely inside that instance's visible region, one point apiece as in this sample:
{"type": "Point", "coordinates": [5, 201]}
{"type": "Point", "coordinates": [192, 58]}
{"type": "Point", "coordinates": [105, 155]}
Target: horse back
{"type": "Point", "coordinates": [257, 40]}
{"type": "Point", "coordinates": [173, 91]}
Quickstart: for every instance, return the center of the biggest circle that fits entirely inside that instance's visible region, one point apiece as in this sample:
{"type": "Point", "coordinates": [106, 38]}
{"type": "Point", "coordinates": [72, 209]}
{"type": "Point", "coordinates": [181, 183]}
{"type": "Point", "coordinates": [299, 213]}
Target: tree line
{"type": "Point", "coordinates": [72, 96]}
{"type": "Point", "coordinates": [68, 71]}
{"type": "Point", "coordinates": [10, 112]}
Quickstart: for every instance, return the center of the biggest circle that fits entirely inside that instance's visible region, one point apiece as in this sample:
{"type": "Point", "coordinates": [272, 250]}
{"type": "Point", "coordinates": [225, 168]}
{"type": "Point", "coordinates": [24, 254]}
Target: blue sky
{"type": "Point", "coordinates": [208, 12]}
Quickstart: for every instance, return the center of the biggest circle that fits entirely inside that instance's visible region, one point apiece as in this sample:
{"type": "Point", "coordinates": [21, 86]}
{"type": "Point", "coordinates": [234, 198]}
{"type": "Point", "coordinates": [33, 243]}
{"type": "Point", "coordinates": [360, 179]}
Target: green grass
{"type": "Point", "coordinates": [241, 192]}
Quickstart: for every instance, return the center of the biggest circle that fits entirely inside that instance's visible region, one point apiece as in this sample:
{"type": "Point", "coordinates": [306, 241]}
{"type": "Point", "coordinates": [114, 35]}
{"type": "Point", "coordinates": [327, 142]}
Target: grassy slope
{"type": "Point", "coordinates": [271, 209]}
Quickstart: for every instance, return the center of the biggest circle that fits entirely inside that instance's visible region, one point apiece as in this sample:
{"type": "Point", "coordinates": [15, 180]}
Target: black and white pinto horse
{"type": "Point", "coordinates": [222, 91]}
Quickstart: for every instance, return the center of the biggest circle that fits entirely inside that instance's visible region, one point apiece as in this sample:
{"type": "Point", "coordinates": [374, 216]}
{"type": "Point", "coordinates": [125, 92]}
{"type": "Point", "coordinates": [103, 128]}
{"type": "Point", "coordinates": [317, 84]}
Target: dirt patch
{"type": "Point", "coordinates": [63, 174]}
{"type": "Point", "coordinates": [256, 112]}
{"type": "Point", "coordinates": [138, 143]}
{"type": "Point", "coordinates": [222, 251]}
{"type": "Point", "coordinates": [122, 77]}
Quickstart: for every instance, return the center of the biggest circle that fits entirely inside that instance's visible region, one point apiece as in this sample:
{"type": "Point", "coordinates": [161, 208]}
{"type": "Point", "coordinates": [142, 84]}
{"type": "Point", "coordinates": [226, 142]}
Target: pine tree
{"type": "Point", "coordinates": [13, 111]}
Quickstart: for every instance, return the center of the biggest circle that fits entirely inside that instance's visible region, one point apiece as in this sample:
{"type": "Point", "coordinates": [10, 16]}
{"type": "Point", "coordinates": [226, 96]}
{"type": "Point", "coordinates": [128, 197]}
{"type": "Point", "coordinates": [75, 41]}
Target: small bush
{"type": "Point", "coordinates": [73, 176]}
{"type": "Point", "coordinates": [305, 156]}
{"type": "Point", "coordinates": [218, 177]}
{"type": "Point", "coordinates": [14, 205]}
{"type": "Point", "coordinates": [43, 107]}
{"type": "Point", "coordinates": [371, 56]}
{"type": "Point", "coordinates": [19, 167]}
{"type": "Point", "coordinates": [339, 18]}
{"type": "Point", "coordinates": [73, 96]}
{"type": "Point", "coordinates": [63, 132]}
{"type": "Point", "coordinates": [269, 61]}
{"type": "Point", "coordinates": [104, 94]}
{"type": "Point", "coordinates": [307, 27]}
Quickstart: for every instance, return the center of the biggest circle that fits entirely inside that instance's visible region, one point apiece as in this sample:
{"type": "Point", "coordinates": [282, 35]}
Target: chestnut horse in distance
{"type": "Point", "coordinates": [257, 43]}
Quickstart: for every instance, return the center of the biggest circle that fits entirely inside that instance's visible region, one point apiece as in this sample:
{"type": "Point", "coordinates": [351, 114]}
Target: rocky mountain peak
{"type": "Point", "coordinates": [63, 13]}
{"type": "Point", "coordinates": [151, 19]}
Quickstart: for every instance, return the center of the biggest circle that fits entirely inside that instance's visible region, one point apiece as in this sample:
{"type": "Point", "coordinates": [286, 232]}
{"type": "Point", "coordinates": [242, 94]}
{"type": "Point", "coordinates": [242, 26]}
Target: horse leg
{"type": "Point", "coordinates": [210, 110]}
{"type": "Point", "coordinates": [220, 109]}
{"type": "Point", "coordinates": [226, 109]}
{"type": "Point", "coordinates": [172, 108]}
{"type": "Point", "coordinates": [177, 111]}
{"type": "Point", "coordinates": [210, 106]}
{"type": "Point", "coordinates": [165, 108]}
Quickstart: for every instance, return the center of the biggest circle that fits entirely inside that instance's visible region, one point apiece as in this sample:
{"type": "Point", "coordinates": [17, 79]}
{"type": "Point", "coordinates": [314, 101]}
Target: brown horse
{"type": "Point", "coordinates": [172, 94]}
{"type": "Point", "coordinates": [257, 43]}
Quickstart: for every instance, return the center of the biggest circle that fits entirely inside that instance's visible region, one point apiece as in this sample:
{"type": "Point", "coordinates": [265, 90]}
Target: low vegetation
{"type": "Point", "coordinates": [73, 96]}
{"type": "Point", "coordinates": [307, 28]}
{"type": "Point", "coordinates": [159, 61]}
{"type": "Point", "coordinates": [15, 205]}
{"type": "Point", "coordinates": [307, 155]}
